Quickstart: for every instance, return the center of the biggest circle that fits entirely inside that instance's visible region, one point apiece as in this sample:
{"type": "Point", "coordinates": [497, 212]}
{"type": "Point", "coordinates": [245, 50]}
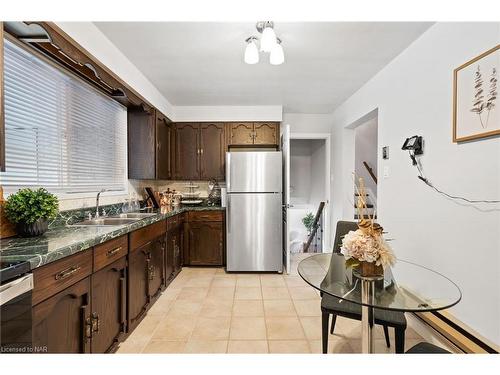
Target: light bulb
{"type": "Point", "coordinates": [268, 40]}
{"type": "Point", "coordinates": [277, 57]}
{"type": "Point", "coordinates": [251, 52]}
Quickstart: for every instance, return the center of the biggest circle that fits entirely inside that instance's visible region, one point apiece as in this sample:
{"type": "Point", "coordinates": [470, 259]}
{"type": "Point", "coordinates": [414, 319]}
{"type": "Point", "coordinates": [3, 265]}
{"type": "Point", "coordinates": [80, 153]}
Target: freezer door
{"type": "Point", "coordinates": [253, 228]}
{"type": "Point", "coordinates": [253, 172]}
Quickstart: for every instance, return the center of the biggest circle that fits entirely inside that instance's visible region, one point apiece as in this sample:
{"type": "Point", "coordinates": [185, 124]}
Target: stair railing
{"type": "Point", "coordinates": [370, 172]}
{"type": "Point", "coordinates": [317, 230]}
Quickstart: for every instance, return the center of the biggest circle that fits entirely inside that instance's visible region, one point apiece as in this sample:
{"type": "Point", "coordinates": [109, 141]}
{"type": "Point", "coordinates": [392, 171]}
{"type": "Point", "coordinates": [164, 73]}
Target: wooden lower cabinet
{"type": "Point", "coordinates": [206, 244]}
{"type": "Point", "coordinates": [109, 306]}
{"type": "Point", "coordinates": [138, 281]}
{"type": "Point", "coordinates": [63, 323]}
{"type": "Point", "coordinates": [146, 278]}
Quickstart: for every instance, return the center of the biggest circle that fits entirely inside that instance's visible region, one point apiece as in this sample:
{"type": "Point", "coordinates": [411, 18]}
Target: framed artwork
{"type": "Point", "coordinates": [476, 107]}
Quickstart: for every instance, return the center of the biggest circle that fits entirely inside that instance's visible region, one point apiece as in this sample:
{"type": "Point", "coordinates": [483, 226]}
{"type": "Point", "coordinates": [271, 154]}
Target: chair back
{"type": "Point", "coordinates": [343, 227]}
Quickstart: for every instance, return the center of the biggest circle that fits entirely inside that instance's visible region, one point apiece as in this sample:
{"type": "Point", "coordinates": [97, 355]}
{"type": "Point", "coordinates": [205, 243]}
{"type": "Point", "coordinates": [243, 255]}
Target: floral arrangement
{"type": "Point", "coordinates": [366, 244]}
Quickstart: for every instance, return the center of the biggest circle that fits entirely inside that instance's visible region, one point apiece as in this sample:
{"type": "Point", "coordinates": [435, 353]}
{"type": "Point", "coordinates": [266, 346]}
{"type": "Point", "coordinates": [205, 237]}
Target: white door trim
{"type": "Point", "coordinates": [327, 137]}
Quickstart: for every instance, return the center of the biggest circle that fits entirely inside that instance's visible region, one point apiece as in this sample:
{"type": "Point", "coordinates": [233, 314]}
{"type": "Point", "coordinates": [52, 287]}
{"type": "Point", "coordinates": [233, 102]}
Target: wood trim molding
{"type": "Point", "coordinates": [458, 333]}
{"type": "Point", "coordinates": [69, 53]}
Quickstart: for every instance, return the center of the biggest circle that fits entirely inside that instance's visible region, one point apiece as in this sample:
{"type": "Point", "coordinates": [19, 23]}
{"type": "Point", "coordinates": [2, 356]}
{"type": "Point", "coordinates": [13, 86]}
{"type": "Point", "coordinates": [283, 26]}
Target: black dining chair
{"type": "Point", "coordinates": [333, 306]}
{"type": "Point", "coordinates": [427, 348]}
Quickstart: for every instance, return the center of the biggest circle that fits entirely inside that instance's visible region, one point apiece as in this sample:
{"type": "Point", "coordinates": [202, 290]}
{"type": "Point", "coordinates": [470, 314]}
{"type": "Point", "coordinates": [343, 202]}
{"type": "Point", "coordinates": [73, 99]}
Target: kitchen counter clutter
{"type": "Point", "coordinates": [63, 241]}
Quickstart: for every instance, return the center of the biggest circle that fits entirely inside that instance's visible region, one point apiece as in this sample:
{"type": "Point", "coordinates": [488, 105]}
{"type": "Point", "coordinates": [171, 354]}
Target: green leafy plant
{"type": "Point", "coordinates": [308, 221]}
{"type": "Point", "coordinates": [27, 206]}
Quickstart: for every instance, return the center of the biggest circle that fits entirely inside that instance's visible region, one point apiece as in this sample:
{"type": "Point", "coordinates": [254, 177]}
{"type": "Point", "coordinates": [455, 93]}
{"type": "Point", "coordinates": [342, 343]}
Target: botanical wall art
{"type": "Point", "coordinates": [476, 108]}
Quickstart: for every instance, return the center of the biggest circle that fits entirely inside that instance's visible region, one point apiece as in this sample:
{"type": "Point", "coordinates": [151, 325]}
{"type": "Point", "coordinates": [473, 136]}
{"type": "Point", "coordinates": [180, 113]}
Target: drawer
{"type": "Point", "coordinates": [54, 277]}
{"type": "Point", "coordinates": [144, 235]}
{"type": "Point", "coordinates": [107, 252]}
{"type": "Point", "coordinates": [206, 216]}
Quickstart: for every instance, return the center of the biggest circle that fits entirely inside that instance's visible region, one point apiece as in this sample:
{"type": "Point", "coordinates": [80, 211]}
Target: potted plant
{"type": "Point", "coordinates": [308, 222]}
{"type": "Point", "coordinates": [30, 210]}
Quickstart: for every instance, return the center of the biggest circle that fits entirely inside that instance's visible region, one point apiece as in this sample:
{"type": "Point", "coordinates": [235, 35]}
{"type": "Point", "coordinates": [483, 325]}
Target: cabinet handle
{"type": "Point", "coordinates": [67, 272]}
{"type": "Point", "coordinates": [95, 323]}
{"type": "Point", "coordinates": [112, 252]}
{"type": "Point", "coordinates": [88, 329]}
{"type": "Point", "coordinates": [201, 151]}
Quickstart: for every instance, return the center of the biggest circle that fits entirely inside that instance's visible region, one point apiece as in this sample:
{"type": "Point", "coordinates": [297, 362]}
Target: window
{"type": "Point", "coordinates": [61, 133]}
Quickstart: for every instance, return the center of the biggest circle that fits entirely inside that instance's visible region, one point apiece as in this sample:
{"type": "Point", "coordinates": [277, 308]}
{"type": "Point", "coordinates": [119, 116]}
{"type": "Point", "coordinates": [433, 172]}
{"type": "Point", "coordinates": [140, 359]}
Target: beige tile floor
{"type": "Point", "coordinates": [205, 310]}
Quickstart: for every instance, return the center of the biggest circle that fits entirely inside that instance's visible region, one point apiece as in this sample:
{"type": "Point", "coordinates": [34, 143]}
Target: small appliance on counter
{"type": "Point", "coordinates": [16, 285]}
{"type": "Point", "coordinates": [214, 193]}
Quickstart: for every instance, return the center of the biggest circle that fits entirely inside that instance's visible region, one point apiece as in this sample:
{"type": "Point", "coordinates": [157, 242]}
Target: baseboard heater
{"type": "Point", "coordinates": [458, 333]}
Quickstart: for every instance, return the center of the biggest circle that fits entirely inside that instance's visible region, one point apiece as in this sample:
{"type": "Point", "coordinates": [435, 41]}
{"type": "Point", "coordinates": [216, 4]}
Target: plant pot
{"type": "Point", "coordinates": [369, 269]}
{"type": "Point", "coordinates": [37, 228]}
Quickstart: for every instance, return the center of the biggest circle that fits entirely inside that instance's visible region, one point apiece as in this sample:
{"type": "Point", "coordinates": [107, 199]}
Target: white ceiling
{"type": "Point", "coordinates": [201, 63]}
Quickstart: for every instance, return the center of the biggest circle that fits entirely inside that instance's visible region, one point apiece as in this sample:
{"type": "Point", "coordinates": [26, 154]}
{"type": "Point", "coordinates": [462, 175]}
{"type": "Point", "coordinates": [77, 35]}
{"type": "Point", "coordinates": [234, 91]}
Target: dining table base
{"type": "Point", "coordinates": [367, 316]}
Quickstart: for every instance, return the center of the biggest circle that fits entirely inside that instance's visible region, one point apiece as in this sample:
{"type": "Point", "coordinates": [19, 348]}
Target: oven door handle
{"type": "Point", "coordinates": [15, 288]}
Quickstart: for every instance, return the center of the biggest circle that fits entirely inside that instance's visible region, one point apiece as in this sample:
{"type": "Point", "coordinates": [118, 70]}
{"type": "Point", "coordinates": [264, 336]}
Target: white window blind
{"type": "Point", "coordinates": [60, 132]}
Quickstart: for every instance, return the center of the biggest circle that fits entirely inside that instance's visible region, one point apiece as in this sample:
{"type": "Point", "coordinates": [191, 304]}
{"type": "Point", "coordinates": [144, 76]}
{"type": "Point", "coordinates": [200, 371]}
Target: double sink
{"type": "Point", "coordinates": [122, 219]}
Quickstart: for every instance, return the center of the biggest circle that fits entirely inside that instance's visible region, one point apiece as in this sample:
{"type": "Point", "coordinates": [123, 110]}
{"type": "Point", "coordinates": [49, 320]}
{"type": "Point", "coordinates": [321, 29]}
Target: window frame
{"type": "Point", "coordinates": [65, 195]}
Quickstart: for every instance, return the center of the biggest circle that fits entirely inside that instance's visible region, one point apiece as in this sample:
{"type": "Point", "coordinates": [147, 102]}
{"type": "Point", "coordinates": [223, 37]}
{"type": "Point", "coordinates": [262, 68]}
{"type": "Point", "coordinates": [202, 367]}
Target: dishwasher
{"type": "Point", "coordinates": [16, 285]}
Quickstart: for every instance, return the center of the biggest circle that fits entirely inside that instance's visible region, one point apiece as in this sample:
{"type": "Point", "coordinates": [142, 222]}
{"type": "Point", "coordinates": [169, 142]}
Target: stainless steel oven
{"type": "Point", "coordinates": [16, 285]}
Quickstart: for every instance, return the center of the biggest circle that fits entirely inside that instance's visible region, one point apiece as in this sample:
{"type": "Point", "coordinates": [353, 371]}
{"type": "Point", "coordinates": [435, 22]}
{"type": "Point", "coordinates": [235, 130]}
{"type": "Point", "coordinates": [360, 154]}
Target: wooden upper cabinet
{"type": "Point", "coordinates": [187, 151]}
{"type": "Point", "coordinates": [253, 133]}
{"type": "Point", "coordinates": [266, 133]}
{"type": "Point", "coordinates": [240, 133]}
{"type": "Point", "coordinates": [141, 145]}
{"type": "Point", "coordinates": [2, 115]}
{"type": "Point", "coordinates": [212, 151]}
{"type": "Point", "coordinates": [163, 147]}
{"type": "Point", "coordinates": [149, 145]}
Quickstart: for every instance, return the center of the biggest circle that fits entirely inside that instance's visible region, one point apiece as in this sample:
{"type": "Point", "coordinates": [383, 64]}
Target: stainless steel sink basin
{"type": "Point", "coordinates": [107, 221]}
{"type": "Point", "coordinates": [136, 215]}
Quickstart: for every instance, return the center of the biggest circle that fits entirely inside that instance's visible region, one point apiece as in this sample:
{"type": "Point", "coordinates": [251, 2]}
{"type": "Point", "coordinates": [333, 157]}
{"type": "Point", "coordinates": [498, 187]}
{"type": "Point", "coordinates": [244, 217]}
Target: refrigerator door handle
{"type": "Point", "coordinates": [228, 172]}
{"type": "Point", "coordinates": [228, 210]}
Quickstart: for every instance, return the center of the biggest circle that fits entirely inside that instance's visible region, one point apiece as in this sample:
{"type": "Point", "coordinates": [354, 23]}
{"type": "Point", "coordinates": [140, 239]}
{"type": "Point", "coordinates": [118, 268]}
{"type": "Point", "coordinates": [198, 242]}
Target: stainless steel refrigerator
{"type": "Point", "coordinates": [254, 211]}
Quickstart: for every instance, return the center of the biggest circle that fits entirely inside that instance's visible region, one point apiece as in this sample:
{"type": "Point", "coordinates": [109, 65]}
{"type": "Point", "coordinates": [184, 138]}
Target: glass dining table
{"type": "Point", "coordinates": [405, 287]}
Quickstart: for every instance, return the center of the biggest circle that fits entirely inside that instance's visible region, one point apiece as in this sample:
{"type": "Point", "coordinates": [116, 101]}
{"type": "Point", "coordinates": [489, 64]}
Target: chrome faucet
{"type": "Point", "coordinates": [97, 203]}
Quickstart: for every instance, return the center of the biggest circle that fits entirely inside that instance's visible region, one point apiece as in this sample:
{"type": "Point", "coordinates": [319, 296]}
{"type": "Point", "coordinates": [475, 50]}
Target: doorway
{"type": "Point", "coordinates": [309, 187]}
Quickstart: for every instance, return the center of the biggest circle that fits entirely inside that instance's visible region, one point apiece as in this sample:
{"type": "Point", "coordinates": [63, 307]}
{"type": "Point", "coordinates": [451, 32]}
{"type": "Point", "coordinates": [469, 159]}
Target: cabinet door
{"type": "Point", "coordinates": [266, 133]}
{"type": "Point", "coordinates": [241, 133]}
{"type": "Point", "coordinates": [163, 145]}
{"type": "Point", "coordinates": [62, 323]}
{"type": "Point", "coordinates": [212, 151]}
{"type": "Point", "coordinates": [109, 309]}
{"type": "Point", "coordinates": [187, 151]}
{"type": "Point", "coordinates": [169, 255]}
{"type": "Point", "coordinates": [141, 145]}
{"type": "Point", "coordinates": [178, 249]}
{"type": "Point", "coordinates": [205, 244]}
{"type": "Point", "coordinates": [138, 284]}
{"type": "Point", "coordinates": [156, 267]}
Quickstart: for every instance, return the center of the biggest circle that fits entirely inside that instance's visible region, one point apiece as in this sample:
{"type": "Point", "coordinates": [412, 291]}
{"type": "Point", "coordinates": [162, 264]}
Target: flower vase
{"type": "Point", "coordinates": [370, 269]}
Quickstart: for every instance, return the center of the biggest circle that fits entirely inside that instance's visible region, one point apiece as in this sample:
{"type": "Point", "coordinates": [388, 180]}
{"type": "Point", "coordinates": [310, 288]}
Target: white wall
{"type": "Point", "coordinates": [228, 113]}
{"type": "Point", "coordinates": [308, 122]}
{"type": "Point", "coordinates": [413, 95]}
{"type": "Point", "coordinates": [365, 138]}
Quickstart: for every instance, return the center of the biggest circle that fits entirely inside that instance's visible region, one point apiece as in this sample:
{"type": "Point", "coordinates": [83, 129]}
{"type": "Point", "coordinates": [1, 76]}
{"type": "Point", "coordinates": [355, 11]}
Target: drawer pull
{"type": "Point", "coordinates": [112, 252]}
{"type": "Point", "coordinates": [68, 272]}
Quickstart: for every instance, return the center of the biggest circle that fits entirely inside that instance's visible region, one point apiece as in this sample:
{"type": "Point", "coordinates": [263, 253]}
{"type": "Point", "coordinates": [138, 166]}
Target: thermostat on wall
{"type": "Point", "coordinates": [385, 152]}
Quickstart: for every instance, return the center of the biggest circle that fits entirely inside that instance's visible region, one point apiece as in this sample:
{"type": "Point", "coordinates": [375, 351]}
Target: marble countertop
{"type": "Point", "coordinates": [61, 242]}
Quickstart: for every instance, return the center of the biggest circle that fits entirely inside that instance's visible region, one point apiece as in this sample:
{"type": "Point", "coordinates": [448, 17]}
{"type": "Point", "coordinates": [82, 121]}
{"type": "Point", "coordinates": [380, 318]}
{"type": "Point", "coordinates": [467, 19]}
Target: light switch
{"type": "Point", "coordinates": [387, 171]}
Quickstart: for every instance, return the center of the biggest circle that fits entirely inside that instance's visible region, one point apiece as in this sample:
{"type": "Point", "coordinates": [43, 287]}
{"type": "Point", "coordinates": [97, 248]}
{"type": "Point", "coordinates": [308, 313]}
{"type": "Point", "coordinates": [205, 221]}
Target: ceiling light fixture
{"type": "Point", "coordinates": [268, 43]}
{"type": "Point", "coordinates": [251, 52]}
{"type": "Point", "coordinates": [277, 57]}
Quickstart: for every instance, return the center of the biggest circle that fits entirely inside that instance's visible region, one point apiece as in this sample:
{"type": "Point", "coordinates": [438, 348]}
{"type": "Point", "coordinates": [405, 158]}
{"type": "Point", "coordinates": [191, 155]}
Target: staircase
{"type": "Point", "coordinates": [369, 205]}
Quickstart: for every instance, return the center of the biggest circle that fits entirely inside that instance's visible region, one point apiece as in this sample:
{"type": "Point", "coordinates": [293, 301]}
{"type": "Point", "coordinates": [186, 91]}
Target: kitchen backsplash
{"type": "Point", "coordinates": [135, 187]}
